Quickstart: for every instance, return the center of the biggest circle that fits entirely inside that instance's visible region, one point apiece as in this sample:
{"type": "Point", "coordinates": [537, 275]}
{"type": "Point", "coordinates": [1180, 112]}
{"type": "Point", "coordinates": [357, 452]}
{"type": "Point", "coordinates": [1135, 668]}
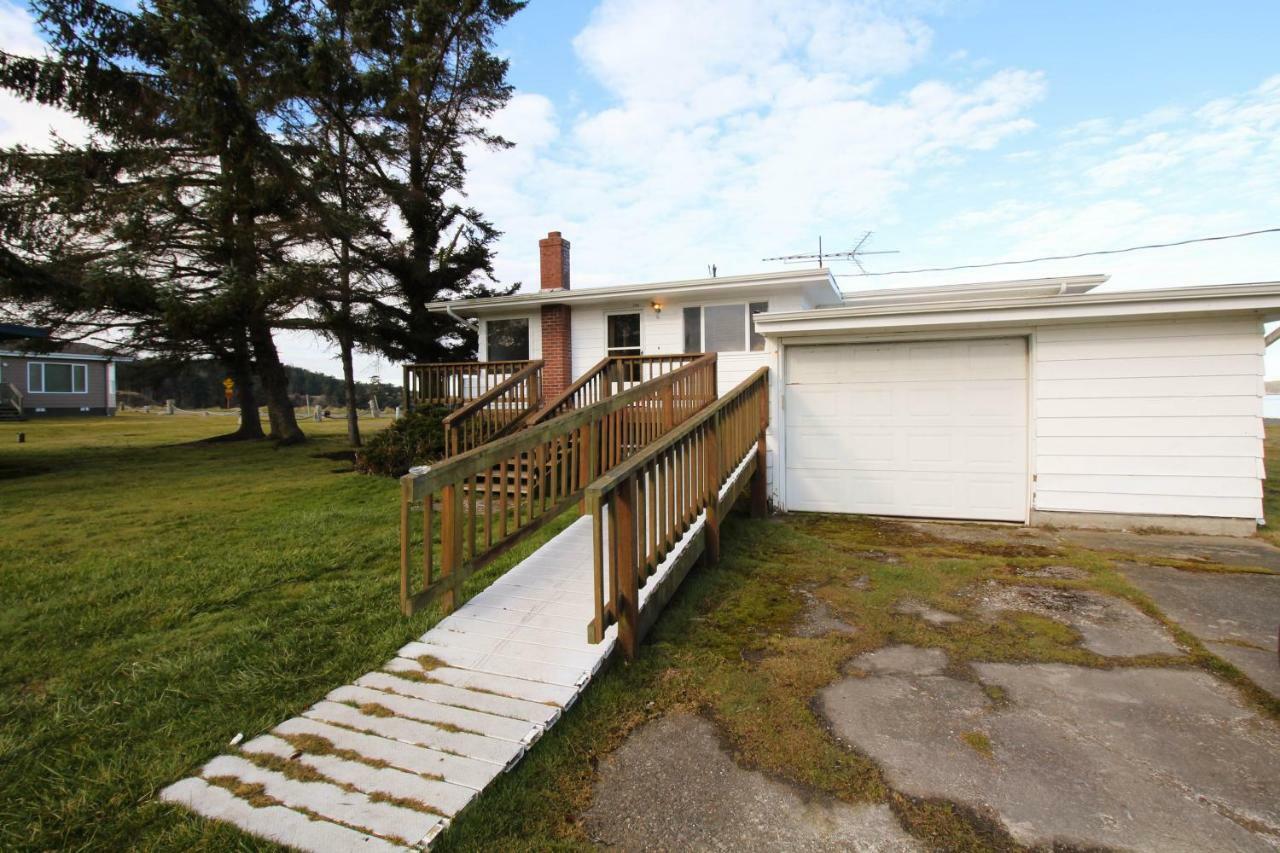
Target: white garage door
{"type": "Point", "coordinates": [934, 429]}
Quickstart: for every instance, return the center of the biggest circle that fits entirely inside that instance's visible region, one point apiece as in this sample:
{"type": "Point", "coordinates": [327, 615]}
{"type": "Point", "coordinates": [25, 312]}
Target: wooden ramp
{"type": "Point", "coordinates": [386, 762]}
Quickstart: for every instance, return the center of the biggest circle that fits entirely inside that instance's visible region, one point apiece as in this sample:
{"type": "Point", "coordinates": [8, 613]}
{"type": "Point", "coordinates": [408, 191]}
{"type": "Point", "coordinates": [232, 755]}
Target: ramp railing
{"type": "Point", "coordinates": [457, 516]}
{"type": "Point", "coordinates": [609, 376]}
{"type": "Point", "coordinates": [454, 383]}
{"type": "Point", "coordinates": [643, 507]}
{"type": "Point", "coordinates": [496, 412]}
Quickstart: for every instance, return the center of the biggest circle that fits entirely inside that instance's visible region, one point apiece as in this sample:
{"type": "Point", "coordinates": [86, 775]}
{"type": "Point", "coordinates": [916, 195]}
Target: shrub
{"type": "Point", "coordinates": [417, 439]}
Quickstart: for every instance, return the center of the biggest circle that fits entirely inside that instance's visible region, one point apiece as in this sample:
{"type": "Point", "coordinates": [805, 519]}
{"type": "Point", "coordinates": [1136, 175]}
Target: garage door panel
{"type": "Point", "coordinates": [928, 428]}
{"type": "Point", "coordinates": [817, 406]}
{"type": "Point", "coordinates": [1004, 359]}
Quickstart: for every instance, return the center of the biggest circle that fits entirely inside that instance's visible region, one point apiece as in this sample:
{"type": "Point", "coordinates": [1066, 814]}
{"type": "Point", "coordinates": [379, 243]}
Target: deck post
{"type": "Point", "coordinates": [406, 495]}
{"type": "Point", "coordinates": [450, 544]}
{"type": "Point", "coordinates": [711, 461]}
{"type": "Point", "coordinates": [759, 481]}
{"type": "Point", "coordinates": [628, 588]}
{"type": "Point", "coordinates": [404, 393]}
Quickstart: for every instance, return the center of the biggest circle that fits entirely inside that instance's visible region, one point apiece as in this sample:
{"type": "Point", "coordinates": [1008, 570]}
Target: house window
{"type": "Point", "coordinates": [55, 378]}
{"type": "Point", "coordinates": [757, 339]}
{"type": "Point", "coordinates": [624, 334]}
{"type": "Point", "coordinates": [723, 328]}
{"type": "Point", "coordinates": [507, 340]}
{"type": "Point", "coordinates": [693, 329]}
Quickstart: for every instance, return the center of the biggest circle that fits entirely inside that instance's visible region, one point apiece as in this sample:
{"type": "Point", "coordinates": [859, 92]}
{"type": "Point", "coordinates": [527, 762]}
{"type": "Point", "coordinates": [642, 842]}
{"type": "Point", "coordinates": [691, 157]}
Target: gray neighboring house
{"type": "Point", "coordinates": [73, 379]}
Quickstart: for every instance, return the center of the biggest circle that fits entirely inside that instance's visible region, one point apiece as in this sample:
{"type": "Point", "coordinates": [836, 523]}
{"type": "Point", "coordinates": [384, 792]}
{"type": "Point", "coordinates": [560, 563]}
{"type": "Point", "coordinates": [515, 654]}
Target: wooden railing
{"type": "Point", "coordinates": [496, 412]}
{"type": "Point", "coordinates": [490, 498]}
{"type": "Point", "coordinates": [454, 383]}
{"type": "Point", "coordinates": [609, 376]}
{"type": "Point", "coordinates": [643, 507]}
{"type": "Point", "coordinates": [10, 395]}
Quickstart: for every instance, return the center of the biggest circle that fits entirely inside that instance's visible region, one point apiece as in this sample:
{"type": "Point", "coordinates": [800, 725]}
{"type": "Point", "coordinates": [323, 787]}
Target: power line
{"type": "Point", "coordinates": [1069, 257]}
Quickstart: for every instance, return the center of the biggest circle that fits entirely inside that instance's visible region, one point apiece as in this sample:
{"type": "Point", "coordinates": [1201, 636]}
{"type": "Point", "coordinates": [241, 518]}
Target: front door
{"type": "Point", "coordinates": [623, 338]}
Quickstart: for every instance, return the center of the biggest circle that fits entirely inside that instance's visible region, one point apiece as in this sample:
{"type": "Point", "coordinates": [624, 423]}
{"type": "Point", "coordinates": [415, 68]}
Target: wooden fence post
{"type": "Point", "coordinates": [450, 544]}
{"type": "Point", "coordinates": [628, 589]}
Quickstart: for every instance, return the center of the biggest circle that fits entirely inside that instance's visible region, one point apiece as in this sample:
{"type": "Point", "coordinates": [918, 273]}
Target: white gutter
{"type": "Point", "coordinates": [466, 321]}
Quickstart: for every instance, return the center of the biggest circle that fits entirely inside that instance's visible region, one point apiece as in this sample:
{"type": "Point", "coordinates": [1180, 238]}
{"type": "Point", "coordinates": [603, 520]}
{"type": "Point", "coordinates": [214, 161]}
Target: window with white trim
{"type": "Point", "coordinates": [52, 377]}
{"type": "Point", "coordinates": [623, 334]}
{"type": "Point", "coordinates": [507, 340]}
{"type": "Point", "coordinates": [723, 328]}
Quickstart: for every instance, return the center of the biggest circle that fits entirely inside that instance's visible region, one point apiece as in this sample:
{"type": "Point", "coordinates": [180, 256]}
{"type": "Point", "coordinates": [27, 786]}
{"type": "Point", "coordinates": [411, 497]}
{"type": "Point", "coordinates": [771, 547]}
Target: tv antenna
{"type": "Point", "coordinates": [853, 254]}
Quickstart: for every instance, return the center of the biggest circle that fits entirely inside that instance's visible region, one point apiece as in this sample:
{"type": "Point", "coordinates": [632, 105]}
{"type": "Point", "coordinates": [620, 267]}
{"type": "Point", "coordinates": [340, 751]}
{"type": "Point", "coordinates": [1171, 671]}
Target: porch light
{"type": "Point", "coordinates": [656, 305]}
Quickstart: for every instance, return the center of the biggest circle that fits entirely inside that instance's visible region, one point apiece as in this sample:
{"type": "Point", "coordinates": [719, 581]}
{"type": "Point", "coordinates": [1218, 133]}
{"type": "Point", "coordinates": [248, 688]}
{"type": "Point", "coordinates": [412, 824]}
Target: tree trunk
{"type": "Point", "coordinates": [275, 386]}
{"type": "Point", "coordinates": [250, 420]}
{"type": "Point", "coordinates": [241, 366]}
{"type": "Point", "coordinates": [349, 383]}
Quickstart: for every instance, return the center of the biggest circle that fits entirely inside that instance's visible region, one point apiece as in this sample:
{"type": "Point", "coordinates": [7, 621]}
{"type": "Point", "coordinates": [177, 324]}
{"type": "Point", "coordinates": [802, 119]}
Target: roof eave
{"type": "Point", "coordinates": [1262, 298]}
{"type": "Point", "coordinates": [465, 307]}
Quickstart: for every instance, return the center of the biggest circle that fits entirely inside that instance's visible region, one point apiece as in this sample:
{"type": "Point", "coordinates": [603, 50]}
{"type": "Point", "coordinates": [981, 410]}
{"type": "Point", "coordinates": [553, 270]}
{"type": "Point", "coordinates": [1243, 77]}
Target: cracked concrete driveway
{"type": "Point", "coordinates": [672, 786]}
{"type": "Point", "coordinates": [1236, 616]}
{"type": "Point", "coordinates": [1141, 758]}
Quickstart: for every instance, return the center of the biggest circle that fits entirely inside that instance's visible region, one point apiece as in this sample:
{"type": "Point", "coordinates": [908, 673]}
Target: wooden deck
{"type": "Point", "coordinates": [386, 762]}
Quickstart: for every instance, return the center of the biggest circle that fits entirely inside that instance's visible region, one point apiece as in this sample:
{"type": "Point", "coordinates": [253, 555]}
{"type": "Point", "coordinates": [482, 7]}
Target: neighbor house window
{"type": "Point", "coordinates": [507, 340]}
{"type": "Point", "coordinates": [54, 378]}
{"type": "Point", "coordinates": [723, 328]}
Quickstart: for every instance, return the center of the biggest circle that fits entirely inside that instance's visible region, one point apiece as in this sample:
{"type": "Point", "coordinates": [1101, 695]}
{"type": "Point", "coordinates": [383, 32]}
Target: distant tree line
{"type": "Point", "coordinates": [255, 166]}
{"type": "Point", "coordinates": [198, 385]}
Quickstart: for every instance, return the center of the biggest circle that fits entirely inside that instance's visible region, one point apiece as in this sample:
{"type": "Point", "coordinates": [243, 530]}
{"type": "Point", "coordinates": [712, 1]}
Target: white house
{"type": "Point", "coordinates": [1036, 401]}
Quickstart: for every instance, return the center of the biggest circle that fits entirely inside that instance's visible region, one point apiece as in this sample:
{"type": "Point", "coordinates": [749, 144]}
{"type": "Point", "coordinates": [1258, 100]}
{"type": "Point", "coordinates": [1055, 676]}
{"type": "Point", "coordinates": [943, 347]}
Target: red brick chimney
{"type": "Point", "coordinates": [557, 327]}
{"type": "Point", "coordinates": [553, 254]}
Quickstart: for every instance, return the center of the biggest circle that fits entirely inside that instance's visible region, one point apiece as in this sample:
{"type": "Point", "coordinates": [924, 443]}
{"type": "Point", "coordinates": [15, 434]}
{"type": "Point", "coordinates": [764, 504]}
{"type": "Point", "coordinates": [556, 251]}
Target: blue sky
{"type": "Point", "coordinates": [665, 135]}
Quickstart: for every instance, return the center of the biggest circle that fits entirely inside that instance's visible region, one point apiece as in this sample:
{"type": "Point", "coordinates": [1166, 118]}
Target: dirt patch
{"type": "Point", "coordinates": [672, 786]}
{"type": "Point", "coordinates": [932, 615]}
{"type": "Point", "coordinates": [1063, 573]}
{"type": "Point", "coordinates": [980, 533]}
{"type": "Point", "coordinates": [1010, 550]}
{"type": "Point", "coordinates": [1108, 626]}
{"type": "Point", "coordinates": [877, 556]}
{"type": "Point", "coordinates": [817, 618]}
{"type": "Point", "coordinates": [1139, 758]}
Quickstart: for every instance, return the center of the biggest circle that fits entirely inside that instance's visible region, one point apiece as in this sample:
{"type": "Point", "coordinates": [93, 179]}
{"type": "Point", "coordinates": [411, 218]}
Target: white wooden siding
{"type": "Point", "coordinates": [663, 333]}
{"type": "Point", "coordinates": [1152, 418]}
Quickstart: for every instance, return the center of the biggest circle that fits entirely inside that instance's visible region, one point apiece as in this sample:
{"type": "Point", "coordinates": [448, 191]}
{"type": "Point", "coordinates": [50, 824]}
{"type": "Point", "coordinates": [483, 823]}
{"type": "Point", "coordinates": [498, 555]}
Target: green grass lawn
{"type": "Point", "coordinates": [160, 596]}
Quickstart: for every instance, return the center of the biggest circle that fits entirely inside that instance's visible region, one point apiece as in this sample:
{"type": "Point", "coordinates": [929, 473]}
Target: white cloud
{"type": "Point", "coordinates": [735, 130]}
{"type": "Point", "coordinates": [22, 122]}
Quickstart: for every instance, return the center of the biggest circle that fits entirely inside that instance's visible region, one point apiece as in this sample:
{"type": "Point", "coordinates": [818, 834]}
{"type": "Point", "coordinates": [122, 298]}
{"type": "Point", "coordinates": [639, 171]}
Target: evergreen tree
{"type": "Point", "coordinates": [174, 221]}
{"type": "Point", "coordinates": [431, 82]}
